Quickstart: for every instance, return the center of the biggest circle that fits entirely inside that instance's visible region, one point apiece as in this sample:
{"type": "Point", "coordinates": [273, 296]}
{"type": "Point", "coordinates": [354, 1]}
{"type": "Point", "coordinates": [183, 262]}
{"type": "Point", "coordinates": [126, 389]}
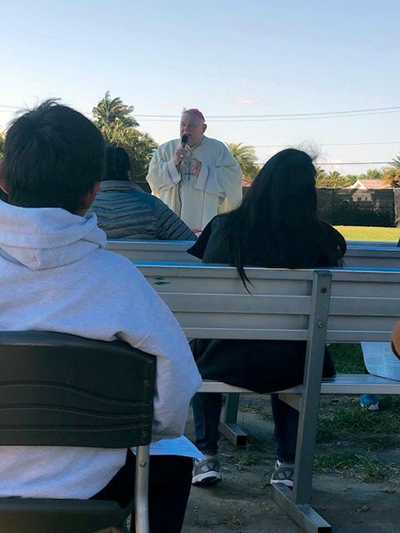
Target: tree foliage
{"type": "Point", "coordinates": [110, 111]}
{"type": "Point", "coordinates": [333, 180]}
{"type": "Point", "coordinates": [321, 173]}
{"type": "Point", "coordinates": [246, 157]}
{"type": "Point", "coordinates": [2, 140]}
{"type": "Point", "coordinates": [391, 175]}
{"type": "Point", "coordinates": [119, 128]}
{"type": "Point", "coordinates": [371, 174]}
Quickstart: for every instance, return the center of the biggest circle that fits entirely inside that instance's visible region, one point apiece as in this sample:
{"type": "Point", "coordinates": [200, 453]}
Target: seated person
{"type": "Point", "coordinates": [370, 402]}
{"type": "Point", "coordinates": [276, 225]}
{"type": "Point", "coordinates": [56, 276]}
{"type": "Point", "coordinates": [125, 211]}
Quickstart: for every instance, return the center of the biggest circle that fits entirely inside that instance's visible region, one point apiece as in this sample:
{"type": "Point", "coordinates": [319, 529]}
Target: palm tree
{"type": "Point", "coordinates": [392, 175]}
{"type": "Point", "coordinates": [333, 180]}
{"type": "Point", "coordinates": [140, 147]}
{"type": "Point", "coordinates": [395, 162]}
{"type": "Point", "coordinates": [373, 174]}
{"type": "Point", "coordinates": [246, 157]}
{"type": "Point", "coordinates": [321, 172]}
{"type": "Point", "coordinates": [109, 111]}
{"type": "Point", "coordinates": [334, 175]}
{"type": "Point", "coordinates": [113, 119]}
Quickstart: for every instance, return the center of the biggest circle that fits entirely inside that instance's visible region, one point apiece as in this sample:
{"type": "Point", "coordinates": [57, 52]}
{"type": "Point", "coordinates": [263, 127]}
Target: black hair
{"type": "Point", "coordinates": [117, 164]}
{"type": "Point", "coordinates": [53, 156]}
{"type": "Point", "coordinates": [277, 219]}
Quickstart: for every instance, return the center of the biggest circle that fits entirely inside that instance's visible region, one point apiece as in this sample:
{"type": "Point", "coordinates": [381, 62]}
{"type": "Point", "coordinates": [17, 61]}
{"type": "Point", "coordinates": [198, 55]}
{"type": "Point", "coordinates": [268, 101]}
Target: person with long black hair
{"type": "Point", "coordinates": [276, 226]}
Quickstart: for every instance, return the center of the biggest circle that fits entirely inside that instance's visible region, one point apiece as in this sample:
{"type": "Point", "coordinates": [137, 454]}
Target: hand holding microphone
{"type": "Point", "coordinates": [180, 153]}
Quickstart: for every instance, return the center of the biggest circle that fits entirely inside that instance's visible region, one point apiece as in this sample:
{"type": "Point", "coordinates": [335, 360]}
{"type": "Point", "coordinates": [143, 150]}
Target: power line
{"type": "Point", "coordinates": [327, 144]}
{"type": "Point", "coordinates": [277, 119]}
{"type": "Point", "coordinates": [280, 117]}
{"type": "Point", "coordinates": [360, 163]}
{"type": "Point", "coordinates": [273, 117]}
{"type": "Point", "coordinates": [352, 163]}
{"type": "Point", "coordinates": [323, 113]}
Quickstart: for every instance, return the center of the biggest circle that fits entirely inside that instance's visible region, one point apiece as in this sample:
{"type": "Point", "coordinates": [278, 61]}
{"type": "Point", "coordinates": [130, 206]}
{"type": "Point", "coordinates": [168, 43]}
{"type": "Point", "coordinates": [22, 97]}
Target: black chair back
{"type": "Point", "coordinates": [63, 390]}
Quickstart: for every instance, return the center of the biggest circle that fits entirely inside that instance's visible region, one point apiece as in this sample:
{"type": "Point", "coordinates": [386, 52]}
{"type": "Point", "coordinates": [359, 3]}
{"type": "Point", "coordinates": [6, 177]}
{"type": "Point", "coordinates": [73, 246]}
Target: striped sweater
{"type": "Point", "coordinates": [124, 211]}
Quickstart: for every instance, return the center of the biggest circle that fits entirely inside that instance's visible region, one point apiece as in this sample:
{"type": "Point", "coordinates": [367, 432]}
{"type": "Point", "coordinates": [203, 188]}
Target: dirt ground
{"type": "Point", "coordinates": [243, 502]}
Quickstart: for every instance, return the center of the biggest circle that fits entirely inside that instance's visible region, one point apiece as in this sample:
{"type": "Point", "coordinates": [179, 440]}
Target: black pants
{"type": "Point", "coordinates": [170, 480]}
{"type": "Point", "coordinates": [262, 366]}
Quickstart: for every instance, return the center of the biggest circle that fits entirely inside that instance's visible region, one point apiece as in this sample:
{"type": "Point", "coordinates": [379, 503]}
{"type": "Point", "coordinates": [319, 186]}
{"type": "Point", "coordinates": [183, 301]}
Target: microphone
{"type": "Point", "coordinates": [184, 140]}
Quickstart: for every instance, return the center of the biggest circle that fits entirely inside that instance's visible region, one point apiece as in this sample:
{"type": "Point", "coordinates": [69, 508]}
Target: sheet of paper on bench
{"type": "Point", "coordinates": [380, 361]}
{"type": "Point", "coordinates": [179, 446]}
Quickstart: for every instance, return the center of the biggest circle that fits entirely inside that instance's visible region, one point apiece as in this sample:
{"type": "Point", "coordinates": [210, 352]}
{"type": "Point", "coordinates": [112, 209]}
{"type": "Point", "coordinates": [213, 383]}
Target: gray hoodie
{"type": "Point", "coordinates": [56, 276]}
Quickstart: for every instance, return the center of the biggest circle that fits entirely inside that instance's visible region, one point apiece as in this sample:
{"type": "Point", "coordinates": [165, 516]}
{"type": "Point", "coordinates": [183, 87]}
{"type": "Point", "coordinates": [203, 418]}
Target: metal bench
{"type": "Point", "coordinates": [319, 306]}
{"type": "Point", "coordinates": [372, 243]}
{"type": "Point", "coordinates": [372, 256]}
{"type": "Point", "coordinates": [358, 255]}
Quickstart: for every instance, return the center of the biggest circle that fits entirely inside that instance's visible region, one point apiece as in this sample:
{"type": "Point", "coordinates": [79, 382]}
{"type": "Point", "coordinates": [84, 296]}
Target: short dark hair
{"type": "Point", "coordinates": [53, 156]}
{"type": "Point", "coordinates": [117, 164]}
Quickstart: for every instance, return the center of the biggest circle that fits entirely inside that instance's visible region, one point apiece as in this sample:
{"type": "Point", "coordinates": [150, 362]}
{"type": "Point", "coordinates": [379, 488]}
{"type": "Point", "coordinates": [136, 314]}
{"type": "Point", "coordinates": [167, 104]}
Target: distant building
{"type": "Point", "coordinates": [365, 185]}
{"type": "Point", "coordinates": [365, 190]}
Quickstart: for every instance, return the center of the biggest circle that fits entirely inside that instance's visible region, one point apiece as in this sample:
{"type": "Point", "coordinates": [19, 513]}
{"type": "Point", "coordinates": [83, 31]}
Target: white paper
{"type": "Point", "coordinates": [179, 446]}
{"type": "Point", "coordinates": [380, 360]}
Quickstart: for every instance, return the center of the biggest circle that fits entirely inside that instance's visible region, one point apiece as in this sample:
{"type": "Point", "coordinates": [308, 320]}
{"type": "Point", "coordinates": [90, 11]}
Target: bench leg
{"type": "Point", "coordinates": [304, 515]}
{"type": "Point", "coordinates": [297, 502]}
{"type": "Point", "coordinates": [228, 424]}
{"type": "Point", "coordinates": [142, 489]}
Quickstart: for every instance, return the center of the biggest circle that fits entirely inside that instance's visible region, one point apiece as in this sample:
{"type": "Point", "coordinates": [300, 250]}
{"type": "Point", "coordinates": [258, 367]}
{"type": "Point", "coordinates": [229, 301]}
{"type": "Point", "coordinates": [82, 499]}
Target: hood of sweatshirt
{"type": "Point", "coordinates": [41, 238]}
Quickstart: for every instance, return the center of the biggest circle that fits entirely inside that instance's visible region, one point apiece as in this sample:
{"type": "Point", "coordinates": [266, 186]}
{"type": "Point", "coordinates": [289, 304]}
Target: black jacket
{"type": "Point", "coordinates": [259, 365]}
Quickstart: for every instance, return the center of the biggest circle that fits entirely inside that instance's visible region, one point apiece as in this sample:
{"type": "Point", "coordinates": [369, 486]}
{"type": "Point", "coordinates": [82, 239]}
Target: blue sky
{"type": "Point", "coordinates": [236, 58]}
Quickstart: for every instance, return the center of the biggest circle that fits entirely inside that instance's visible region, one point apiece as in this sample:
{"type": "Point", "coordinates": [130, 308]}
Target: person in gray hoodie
{"type": "Point", "coordinates": [56, 276]}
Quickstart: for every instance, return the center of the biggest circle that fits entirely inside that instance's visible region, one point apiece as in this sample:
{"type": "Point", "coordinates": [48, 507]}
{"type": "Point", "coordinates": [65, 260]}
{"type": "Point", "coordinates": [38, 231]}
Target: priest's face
{"type": "Point", "coordinates": [192, 126]}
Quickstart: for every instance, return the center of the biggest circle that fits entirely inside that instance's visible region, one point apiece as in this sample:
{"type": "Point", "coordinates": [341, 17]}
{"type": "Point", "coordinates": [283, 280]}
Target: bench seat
{"type": "Point", "coordinates": [340, 384]}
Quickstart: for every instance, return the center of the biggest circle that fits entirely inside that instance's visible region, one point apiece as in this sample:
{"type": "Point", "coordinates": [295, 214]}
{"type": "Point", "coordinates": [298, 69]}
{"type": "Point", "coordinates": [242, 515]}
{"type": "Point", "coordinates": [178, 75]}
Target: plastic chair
{"type": "Point", "coordinates": [63, 390]}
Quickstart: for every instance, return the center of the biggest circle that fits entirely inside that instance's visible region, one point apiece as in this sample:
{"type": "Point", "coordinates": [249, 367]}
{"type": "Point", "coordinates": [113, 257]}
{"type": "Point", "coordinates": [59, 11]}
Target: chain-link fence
{"type": "Point", "coordinates": [355, 207]}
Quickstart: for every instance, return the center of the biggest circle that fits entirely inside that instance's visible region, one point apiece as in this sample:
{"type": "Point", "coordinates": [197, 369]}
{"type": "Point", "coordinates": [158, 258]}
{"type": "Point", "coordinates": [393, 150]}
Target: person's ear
{"type": "Point", "coordinates": [2, 182]}
{"type": "Point", "coordinates": [89, 196]}
{"type": "Point", "coordinates": [204, 127]}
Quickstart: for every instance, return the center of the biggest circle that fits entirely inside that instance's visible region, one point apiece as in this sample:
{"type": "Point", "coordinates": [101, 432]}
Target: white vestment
{"type": "Point", "coordinates": [217, 189]}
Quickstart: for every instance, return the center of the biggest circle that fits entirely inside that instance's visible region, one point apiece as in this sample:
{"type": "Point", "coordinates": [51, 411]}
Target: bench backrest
{"type": "Point", "coordinates": [158, 251]}
{"type": "Point", "coordinates": [372, 257]}
{"type": "Point", "coordinates": [211, 302]}
{"type": "Point", "coordinates": [371, 244]}
{"type": "Point", "coordinates": [364, 305]}
{"type": "Point", "coordinates": [175, 252]}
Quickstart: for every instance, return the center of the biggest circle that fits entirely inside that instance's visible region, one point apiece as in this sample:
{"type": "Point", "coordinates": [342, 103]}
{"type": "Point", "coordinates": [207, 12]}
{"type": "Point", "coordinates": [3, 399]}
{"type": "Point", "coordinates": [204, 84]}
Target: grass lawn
{"type": "Point", "coordinates": [369, 233]}
{"type": "Point", "coordinates": [352, 441]}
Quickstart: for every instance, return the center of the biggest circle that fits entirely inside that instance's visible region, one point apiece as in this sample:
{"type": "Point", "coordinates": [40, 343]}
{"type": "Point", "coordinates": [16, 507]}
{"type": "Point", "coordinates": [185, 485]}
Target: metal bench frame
{"type": "Point", "coordinates": [377, 255]}
{"type": "Point", "coordinates": [319, 306]}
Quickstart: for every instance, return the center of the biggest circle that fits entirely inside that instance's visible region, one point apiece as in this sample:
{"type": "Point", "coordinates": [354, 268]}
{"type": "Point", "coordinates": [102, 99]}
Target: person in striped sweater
{"type": "Point", "coordinates": [125, 211]}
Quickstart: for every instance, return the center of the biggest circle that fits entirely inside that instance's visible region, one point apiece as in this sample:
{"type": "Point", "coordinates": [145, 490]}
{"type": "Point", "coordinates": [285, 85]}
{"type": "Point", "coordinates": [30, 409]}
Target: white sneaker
{"type": "Point", "coordinates": [283, 474]}
{"type": "Point", "coordinates": [206, 471]}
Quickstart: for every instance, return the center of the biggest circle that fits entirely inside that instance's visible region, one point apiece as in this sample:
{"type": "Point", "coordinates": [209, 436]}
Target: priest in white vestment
{"type": "Point", "coordinates": [197, 177]}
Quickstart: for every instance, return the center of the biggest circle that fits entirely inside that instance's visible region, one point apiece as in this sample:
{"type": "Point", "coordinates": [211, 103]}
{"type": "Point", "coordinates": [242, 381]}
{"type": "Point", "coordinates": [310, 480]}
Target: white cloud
{"type": "Point", "coordinates": [241, 100]}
